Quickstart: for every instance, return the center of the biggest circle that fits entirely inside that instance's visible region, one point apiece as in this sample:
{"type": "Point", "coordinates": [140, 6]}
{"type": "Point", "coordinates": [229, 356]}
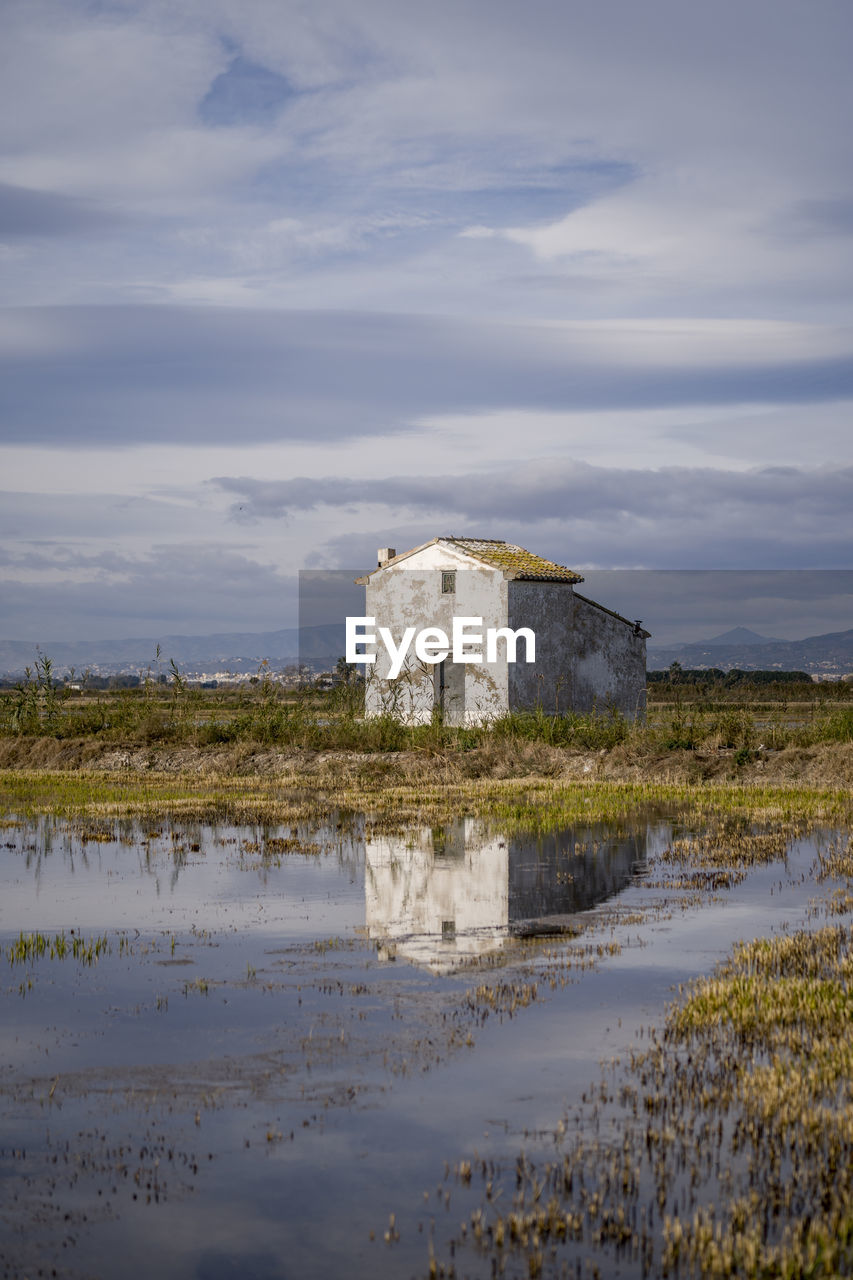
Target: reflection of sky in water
{"type": "Point", "coordinates": [439, 897]}
{"type": "Point", "coordinates": [305, 1047]}
{"type": "Point", "coordinates": [50, 880]}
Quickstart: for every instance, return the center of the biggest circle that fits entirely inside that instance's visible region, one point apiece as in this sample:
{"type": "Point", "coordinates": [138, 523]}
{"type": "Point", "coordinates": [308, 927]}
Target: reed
{"type": "Point", "coordinates": [265, 714]}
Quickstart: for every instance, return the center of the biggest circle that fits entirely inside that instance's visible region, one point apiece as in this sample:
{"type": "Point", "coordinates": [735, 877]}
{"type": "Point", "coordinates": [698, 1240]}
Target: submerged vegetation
{"type": "Point", "coordinates": [515, 804]}
{"type": "Point", "coordinates": [723, 1149]}
{"type": "Point", "coordinates": [736, 1138]}
{"type": "Point", "coordinates": [33, 946]}
{"type": "Point", "coordinates": [721, 1146]}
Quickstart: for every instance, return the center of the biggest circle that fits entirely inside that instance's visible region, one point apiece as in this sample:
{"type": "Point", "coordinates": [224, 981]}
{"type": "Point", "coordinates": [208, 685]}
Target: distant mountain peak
{"type": "Point", "coordinates": [740, 636]}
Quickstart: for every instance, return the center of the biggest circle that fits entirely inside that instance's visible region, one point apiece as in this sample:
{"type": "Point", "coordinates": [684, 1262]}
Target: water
{"type": "Point", "coordinates": [292, 1032]}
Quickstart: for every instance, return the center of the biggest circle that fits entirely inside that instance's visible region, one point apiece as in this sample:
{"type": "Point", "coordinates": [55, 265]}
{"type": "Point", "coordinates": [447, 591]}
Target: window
{"type": "Point", "coordinates": [448, 584]}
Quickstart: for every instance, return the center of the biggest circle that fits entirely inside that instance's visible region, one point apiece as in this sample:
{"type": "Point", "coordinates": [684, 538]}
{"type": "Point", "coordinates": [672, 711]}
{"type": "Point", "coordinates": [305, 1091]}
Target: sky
{"type": "Point", "coordinates": [282, 283]}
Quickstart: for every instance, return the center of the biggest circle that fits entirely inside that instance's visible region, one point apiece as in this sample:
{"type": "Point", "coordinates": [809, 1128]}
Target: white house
{"type": "Point", "coordinates": [584, 656]}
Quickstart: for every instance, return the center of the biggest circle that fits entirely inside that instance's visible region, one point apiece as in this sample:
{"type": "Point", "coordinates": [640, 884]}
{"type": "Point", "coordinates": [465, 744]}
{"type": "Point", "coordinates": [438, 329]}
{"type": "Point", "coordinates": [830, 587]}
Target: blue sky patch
{"type": "Point", "coordinates": [246, 93]}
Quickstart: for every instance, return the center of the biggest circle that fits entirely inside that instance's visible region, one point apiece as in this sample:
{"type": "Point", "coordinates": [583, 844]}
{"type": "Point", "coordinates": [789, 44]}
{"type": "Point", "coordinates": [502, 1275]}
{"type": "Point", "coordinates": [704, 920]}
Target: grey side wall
{"type": "Point", "coordinates": [609, 663]}
{"type": "Point", "coordinates": [548, 609]}
{"type": "Point", "coordinates": [586, 658]}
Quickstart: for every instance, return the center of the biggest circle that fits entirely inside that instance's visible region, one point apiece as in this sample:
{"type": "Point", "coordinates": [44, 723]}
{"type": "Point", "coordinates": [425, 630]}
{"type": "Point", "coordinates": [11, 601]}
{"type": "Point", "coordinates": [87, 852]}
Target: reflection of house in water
{"type": "Point", "coordinates": [440, 897]}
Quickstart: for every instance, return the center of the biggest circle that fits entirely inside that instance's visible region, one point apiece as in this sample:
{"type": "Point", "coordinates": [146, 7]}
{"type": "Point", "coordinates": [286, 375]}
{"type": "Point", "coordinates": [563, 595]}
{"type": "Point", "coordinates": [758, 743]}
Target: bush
{"type": "Point", "coordinates": [585, 732]}
{"type": "Point", "coordinates": [835, 726]}
{"type": "Point", "coordinates": [268, 714]}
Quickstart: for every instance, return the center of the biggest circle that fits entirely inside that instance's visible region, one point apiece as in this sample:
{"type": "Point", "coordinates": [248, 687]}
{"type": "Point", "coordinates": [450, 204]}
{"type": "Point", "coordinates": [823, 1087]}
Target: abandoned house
{"type": "Point", "coordinates": [586, 657]}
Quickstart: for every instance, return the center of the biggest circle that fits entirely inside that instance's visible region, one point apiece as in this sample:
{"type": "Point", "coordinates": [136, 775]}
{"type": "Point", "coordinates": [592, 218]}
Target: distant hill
{"type": "Point", "coordinates": [740, 636]}
{"type": "Point", "coordinates": [830, 654]}
{"type": "Point", "coordinates": [319, 647]}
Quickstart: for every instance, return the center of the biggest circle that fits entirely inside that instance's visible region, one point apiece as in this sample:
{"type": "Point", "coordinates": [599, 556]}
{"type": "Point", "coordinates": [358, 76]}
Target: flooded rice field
{"type": "Point", "coordinates": [310, 1052]}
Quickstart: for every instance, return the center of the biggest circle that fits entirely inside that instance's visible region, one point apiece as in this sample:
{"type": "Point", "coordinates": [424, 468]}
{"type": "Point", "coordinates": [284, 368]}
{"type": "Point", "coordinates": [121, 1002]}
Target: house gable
{"type": "Point", "coordinates": [513, 561]}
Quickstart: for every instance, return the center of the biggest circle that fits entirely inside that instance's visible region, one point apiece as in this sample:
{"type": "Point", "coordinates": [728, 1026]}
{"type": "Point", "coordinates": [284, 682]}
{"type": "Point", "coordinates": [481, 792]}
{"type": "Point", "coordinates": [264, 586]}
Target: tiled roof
{"type": "Point", "coordinates": [514, 560]}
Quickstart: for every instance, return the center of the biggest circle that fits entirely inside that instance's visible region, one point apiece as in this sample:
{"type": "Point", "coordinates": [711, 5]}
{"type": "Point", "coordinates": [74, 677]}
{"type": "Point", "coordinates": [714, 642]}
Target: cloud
{"type": "Point", "coordinates": [815, 218]}
{"type": "Point", "coordinates": [84, 517]}
{"type": "Point", "coordinates": [181, 588]}
{"type": "Point", "coordinates": [465, 242]}
{"type": "Point", "coordinates": [678, 606]}
{"type": "Point", "coordinates": [681, 147]}
{"type": "Point", "coordinates": [554, 488]}
{"type": "Point", "coordinates": [600, 516]}
{"type": "Point", "coordinates": [139, 374]}
{"type": "Point", "coordinates": [27, 214]}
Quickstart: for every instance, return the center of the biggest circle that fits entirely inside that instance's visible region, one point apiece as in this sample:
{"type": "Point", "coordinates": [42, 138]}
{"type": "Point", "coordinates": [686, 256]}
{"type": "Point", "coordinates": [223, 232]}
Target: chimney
{"type": "Point", "coordinates": [383, 555]}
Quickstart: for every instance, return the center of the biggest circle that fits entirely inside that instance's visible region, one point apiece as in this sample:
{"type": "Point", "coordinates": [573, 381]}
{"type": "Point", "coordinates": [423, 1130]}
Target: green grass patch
{"type": "Point", "coordinates": [683, 717]}
{"type": "Point", "coordinates": [28, 947]}
{"type": "Point", "coordinates": [515, 804]}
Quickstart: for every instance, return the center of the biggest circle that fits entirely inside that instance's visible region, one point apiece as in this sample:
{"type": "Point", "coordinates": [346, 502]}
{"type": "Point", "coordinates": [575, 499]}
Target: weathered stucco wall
{"type": "Point", "coordinates": [586, 658]}
{"type": "Point", "coordinates": [410, 595]}
{"type": "Point", "coordinates": [609, 662]}
{"type": "Point", "coordinates": [548, 609]}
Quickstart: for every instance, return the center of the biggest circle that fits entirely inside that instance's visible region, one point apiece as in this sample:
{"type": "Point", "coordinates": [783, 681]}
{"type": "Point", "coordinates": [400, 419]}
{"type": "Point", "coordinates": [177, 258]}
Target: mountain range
{"type": "Point", "coordinates": [829, 654]}
{"type": "Point", "coordinates": [320, 647]}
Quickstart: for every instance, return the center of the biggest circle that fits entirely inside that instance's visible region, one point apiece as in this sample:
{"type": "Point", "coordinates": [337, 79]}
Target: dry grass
{"type": "Point", "coordinates": [397, 791]}
{"type": "Point", "coordinates": [723, 1149]}
{"type": "Point", "coordinates": [827, 764]}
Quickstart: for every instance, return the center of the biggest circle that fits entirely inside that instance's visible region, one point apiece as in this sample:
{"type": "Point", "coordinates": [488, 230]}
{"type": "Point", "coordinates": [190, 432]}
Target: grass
{"type": "Point", "coordinates": [686, 717]}
{"type": "Point", "coordinates": [723, 1149]}
{"type": "Point", "coordinates": [516, 804]}
{"type": "Point", "coordinates": [783, 1009]}
{"type": "Point", "coordinates": [28, 947]}
{"type": "Point", "coordinates": [746, 1090]}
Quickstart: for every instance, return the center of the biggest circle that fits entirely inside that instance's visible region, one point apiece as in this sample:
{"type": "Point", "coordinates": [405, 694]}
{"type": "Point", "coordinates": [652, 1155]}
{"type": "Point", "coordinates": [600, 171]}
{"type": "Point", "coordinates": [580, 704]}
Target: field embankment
{"type": "Point", "coordinates": [826, 764]}
{"type": "Point", "coordinates": [319, 742]}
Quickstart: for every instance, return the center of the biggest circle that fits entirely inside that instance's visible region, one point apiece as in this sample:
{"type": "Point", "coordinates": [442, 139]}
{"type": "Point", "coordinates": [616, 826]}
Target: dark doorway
{"type": "Point", "coordinates": [449, 683]}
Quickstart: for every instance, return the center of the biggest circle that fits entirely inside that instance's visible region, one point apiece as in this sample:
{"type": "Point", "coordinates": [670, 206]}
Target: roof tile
{"type": "Point", "coordinates": [515, 560]}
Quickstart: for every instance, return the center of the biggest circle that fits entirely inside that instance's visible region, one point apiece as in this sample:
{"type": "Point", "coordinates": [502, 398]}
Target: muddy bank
{"type": "Point", "coordinates": [822, 765]}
